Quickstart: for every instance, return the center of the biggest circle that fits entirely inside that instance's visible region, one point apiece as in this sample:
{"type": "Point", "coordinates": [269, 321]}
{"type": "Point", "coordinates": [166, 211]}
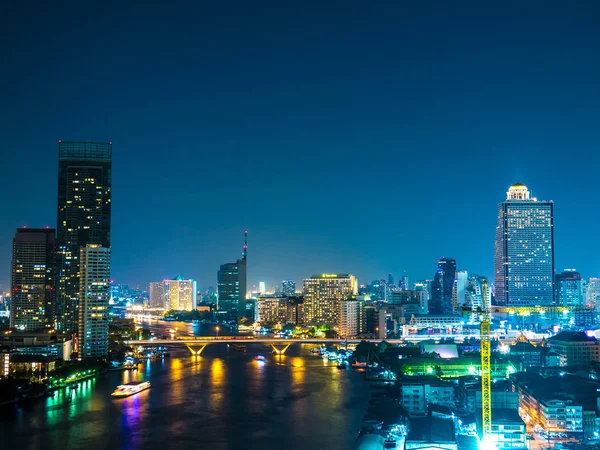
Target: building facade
{"type": "Point", "coordinates": [288, 288]}
{"type": "Point", "coordinates": [231, 286]}
{"type": "Point", "coordinates": [419, 392]}
{"type": "Point", "coordinates": [442, 286]}
{"type": "Point", "coordinates": [94, 297]}
{"type": "Point", "coordinates": [158, 295]}
{"type": "Point", "coordinates": [575, 348]}
{"type": "Point", "coordinates": [350, 317]}
{"type": "Point", "coordinates": [180, 294]}
{"type": "Point", "coordinates": [592, 293]}
{"type": "Point", "coordinates": [569, 288]}
{"type": "Point", "coordinates": [33, 279]}
{"type": "Point", "coordinates": [524, 250]}
{"type": "Point", "coordinates": [323, 294]}
{"type": "Point", "coordinates": [272, 309]}
{"type": "Point", "coordinates": [84, 215]}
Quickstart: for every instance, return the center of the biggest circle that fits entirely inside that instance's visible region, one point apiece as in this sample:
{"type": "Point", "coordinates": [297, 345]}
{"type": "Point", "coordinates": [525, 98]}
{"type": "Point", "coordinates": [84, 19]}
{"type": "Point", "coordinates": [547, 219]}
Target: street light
{"type": "Point", "coordinates": [217, 329]}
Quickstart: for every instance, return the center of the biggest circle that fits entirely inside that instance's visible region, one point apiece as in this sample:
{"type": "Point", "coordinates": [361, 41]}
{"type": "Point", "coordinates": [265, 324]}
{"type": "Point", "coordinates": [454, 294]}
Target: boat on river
{"type": "Point", "coordinates": [131, 388]}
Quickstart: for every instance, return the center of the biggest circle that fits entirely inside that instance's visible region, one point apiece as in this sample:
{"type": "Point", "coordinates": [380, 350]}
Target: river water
{"type": "Point", "coordinates": [222, 400]}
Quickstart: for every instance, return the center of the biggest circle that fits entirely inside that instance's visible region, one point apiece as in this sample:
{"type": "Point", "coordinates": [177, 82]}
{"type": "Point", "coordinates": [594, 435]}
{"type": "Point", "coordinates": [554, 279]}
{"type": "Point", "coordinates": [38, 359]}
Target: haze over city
{"type": "Point", "coordinates": [366, 140]}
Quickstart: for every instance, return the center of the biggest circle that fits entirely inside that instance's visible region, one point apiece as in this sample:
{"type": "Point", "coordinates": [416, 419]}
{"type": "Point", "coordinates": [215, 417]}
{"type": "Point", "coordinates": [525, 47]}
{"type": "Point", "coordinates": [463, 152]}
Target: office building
{"type": "Point", "coordinates": [262, 288]}
{"type": "Point", "coordinates": [575, 348]}
{"type": "Point", "coordinates": [508, 429]}
{"type": "Point", "coordinates": [158, 295]}
{"type": "Point", "coordinates": [94, 296]}
{"type": "Point", "coordinates": [84, 214]}
{"type": "Point", "coordinates": [459, 290]}
{"type": "Point", "coordinates": [442, 286]}
{"type": "Point", "coordinates": [323, 294]}
{"type": "Point", "coordinates": [419, 392]}
{"type": "Point", "coordinates": [272, 309]}
{"type": "Point", "coordinates": [288, 288]}
{"type": "Point", "coordinates": [592, 293]}
{"type": "Point", "coordinates": [474, 296]}
{"type": "Point", "coordinates": [181, 295]}
{"type": "Point", "coordinates": [33, 283]}
{"type": "Point", "coordinates": [569, 288]}
{"type": "Point", "coordinates": [350, 317]}
{"type": "Point", "coordinates": [231, 286]}
{"type": "Point", "coordinates": [524, 250]}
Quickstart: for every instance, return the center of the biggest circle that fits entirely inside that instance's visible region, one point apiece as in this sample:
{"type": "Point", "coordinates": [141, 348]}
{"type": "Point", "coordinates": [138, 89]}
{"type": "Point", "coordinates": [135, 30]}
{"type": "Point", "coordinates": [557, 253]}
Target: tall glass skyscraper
{"type": "Point", "coordinates": [231, 286]}
{"type": "Point", "coordinates": [442, 286]}
{"type": "Point", "coordinates": [524, 250]}
{"type": "Point", "coordinates": [569, 288]}
{"type": "Point", "coordinates": [94, 297]}
{"type": "Point", "coordinates": [84, 185]}
{"type": "Point", "coordinates": [33, 280]}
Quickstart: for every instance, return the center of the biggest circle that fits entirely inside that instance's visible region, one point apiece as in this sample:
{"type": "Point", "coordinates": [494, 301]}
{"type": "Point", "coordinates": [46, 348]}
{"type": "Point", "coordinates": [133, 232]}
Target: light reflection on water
{"type": "Point", "coordinates": [221, 400]}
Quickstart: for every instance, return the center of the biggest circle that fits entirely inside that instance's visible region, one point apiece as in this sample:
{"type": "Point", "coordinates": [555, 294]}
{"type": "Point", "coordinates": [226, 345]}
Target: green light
{"type": "Point", "coordinates": [430, 370]}
{"type": "Point", "coordinates": [471, 369]}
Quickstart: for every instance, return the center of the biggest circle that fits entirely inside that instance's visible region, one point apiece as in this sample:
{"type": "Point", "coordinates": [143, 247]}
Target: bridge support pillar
{"type": "Point", "coordinates": [197, 349]}
{"type": "Point", "coordinates": [279, 349]}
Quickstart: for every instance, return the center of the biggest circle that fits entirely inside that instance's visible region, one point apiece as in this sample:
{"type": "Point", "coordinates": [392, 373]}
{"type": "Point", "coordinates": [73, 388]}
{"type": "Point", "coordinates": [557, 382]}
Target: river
{"type": "Point", "coordinates": [222, 400]}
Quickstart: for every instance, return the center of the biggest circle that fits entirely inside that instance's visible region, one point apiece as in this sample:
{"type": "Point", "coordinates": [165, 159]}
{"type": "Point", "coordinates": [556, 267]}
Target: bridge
{"type": "Point", "coordinates": [196, 344]}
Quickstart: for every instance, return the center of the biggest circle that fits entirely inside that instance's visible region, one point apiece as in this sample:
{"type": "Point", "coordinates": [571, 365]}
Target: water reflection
{"type": "Point", "coordinates": [229, 401]}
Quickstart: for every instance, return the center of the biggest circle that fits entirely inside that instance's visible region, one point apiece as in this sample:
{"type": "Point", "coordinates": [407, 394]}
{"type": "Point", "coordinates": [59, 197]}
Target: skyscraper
{"type": "Point", "coordinates": [180, 294]}
{"type": "Point", "coordinates": [33, 279]}
{"type": "Point", "coordinates": [94, 297]}
{"type": "Point", "coordinates": [231, 285]}
{"type": "Point", "coordinates": [524, 250]}
{"type": "Point", "coordinates": [323, 294]}
{"type": "Point", "coordinates": [349, 317]}
{"type": "Point", "coordinates": [288, 288]}
{"type": "Point", "coordinates": [84, 205]}
{"type": "Point", "coordinates": [441, 288]}
{"type": "Point", "coordinates": [459, 290]}
{"type": "Point", "coordinates": [158, 295]}
{"type": "Point", "coordinates": [592, 293]}
{"type": "Point", "coordinates": [569, 288]}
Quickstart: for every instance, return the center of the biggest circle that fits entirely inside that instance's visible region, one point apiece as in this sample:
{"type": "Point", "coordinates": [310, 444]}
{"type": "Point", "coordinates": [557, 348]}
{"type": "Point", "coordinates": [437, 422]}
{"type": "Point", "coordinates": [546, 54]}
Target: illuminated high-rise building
{"type": "Point", "coordinates": [231, 286]}
{"type": "Point", "coordinates": [459, 290]}
{"type": "Point", "coordinates": [441, 288]}
{"type": "Point", "coordinates": [158, 295]}
{"type": "Point", "coordinates": [84, 211]}
{"type": "Point", "coordinates": [569, 288]}
{"type": "Point", "coordinates": [288, 288]}
{"type": "Point", "coordinates": [592, 293]}
{"type": "Point", "coordinates": [524, 250]}
{"type": "Point", "coordinates": [323, 294]}
{"type": "Point", "coordinates": [262, 287]}
{"type": "Point", "coordinates": [350, 317]}
{"type": "Point", "coordinates": [180, 294]}
{"type": "Point", "coordinates": [94, 297]}
{"type": "Point", "coordinates": [33, 279]}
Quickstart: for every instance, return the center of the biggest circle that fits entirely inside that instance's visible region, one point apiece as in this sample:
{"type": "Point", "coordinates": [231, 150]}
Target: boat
{"type": "Point", "coordinates": [74, 386]}
{"type": "Point", "coordinates": [238, 347]}
{"type": "Point", "coordinates": [356, 363]}
{"type": "Point", "coordinates": [125, 390]}
{"type": "Point", "coordinates": [385, 375]}
{"type": "Point", "coordinates": [259, 358]}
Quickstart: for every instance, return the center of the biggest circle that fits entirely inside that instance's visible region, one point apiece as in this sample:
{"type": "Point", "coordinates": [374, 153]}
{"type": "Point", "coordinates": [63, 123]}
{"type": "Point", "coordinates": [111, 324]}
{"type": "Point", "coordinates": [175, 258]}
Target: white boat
{"type": "Point", "coordinates": [125, 390]}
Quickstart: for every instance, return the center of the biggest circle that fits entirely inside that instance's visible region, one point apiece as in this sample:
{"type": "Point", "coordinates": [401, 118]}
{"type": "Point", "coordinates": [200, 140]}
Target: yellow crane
{"type": "Point", "coordinates": [485, 346]}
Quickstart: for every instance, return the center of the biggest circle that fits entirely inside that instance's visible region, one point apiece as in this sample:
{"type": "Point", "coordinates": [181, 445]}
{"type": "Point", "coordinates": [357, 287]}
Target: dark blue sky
{"type": "Point", "coordinates": [353, 138]}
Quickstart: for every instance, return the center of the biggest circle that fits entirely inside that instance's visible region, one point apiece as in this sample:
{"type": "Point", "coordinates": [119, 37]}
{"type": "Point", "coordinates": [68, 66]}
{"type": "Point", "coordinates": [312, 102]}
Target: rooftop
{"type": "Point", "coordinates": [572, 336]}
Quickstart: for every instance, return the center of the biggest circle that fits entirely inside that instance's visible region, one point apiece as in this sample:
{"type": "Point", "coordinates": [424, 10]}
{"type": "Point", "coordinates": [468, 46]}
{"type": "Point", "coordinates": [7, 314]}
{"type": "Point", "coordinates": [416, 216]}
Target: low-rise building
{"type": "Point", "coordinates": [36, 365]}
{"type": "Point", "coordinates": [508, 429]}
{"type": "Point", "coordinates": [419, 392]}
{"type": "Point", "coordinates": [575, 348]}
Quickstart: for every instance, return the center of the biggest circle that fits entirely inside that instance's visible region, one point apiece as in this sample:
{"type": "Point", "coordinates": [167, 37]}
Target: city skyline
{"type": "Point", "coordinates": [414, 129]}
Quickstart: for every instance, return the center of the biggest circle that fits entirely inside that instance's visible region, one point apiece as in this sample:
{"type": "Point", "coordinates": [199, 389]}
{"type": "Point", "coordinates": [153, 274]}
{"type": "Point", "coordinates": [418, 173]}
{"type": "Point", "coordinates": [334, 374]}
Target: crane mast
{"type": "Point", "coordinates": [486, 367]}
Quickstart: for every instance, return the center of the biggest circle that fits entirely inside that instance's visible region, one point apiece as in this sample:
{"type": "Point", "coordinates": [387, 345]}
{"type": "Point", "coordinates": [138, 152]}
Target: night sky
{"type": "Point", "coordinates": [360, 137]}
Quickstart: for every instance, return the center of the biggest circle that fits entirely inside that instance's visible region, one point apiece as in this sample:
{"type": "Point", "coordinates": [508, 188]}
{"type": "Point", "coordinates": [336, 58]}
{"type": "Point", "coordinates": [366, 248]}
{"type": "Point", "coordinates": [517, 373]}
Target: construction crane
{"type": "Point", "coordinates": [485, 349]}
{"type": "Point", "coordinates": [485, 346]}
